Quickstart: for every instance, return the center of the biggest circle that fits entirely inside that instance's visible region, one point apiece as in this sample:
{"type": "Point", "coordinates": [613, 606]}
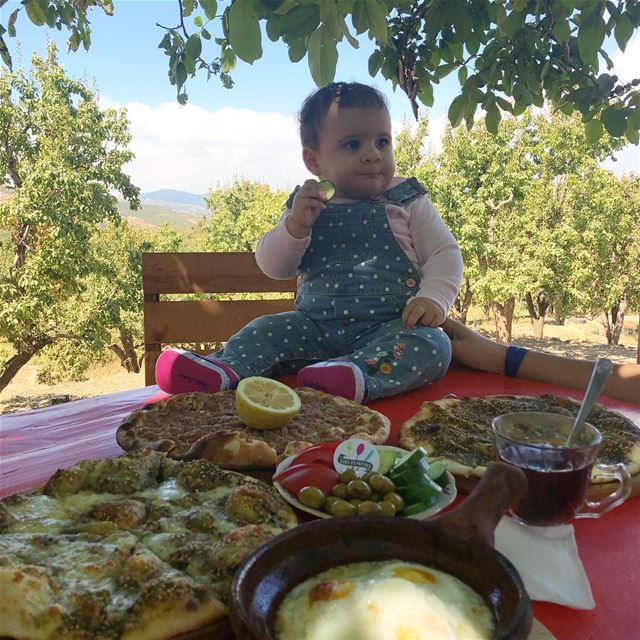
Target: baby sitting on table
{"type": "Point", "coordinates": [378, 269]}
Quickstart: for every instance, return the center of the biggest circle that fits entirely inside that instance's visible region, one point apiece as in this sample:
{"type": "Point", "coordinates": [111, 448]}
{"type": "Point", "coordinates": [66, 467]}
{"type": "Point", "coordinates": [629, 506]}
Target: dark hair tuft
{"type": "Point", "coordinates": [345, 94]}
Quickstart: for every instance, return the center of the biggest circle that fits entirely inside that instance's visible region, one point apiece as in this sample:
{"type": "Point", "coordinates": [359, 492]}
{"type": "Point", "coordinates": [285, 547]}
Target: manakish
{"type": "Point", "coordinates": [459, 430]}
{"type": "Point", "coordinates": [138, 547]}
{"type": "Point", "coordinates": [206, 425]}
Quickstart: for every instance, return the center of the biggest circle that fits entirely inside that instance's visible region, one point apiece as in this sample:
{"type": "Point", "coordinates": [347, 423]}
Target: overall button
{"type": "Point", "coordinates": [410, 282]}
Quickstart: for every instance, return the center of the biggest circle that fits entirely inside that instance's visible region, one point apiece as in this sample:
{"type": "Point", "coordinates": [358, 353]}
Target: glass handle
{"type": "Point", "coordinates": [600, 507]}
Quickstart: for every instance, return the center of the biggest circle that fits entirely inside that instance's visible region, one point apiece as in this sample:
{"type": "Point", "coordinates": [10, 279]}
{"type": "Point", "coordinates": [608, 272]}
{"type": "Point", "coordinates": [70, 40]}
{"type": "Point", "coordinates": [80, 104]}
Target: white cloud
{"type": "Point", "coordinates": [192, 149]}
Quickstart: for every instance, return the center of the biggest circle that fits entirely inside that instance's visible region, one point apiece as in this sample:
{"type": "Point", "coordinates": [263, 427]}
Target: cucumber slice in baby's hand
{"type": "Point", "coordinates": [328, 187]}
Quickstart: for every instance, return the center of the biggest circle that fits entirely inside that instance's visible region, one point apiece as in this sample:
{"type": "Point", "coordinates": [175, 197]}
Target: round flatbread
{"type": "Point", "coordinates": [206, 425]}
{"type": "Point", "coordinates": [459, 430]}
{"type": "Point", "coordinates": [135, 547]}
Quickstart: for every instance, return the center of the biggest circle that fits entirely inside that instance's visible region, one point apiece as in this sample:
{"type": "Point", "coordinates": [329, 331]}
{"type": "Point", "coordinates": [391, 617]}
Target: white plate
{"type": "Point", "coordinates": [445, 498]}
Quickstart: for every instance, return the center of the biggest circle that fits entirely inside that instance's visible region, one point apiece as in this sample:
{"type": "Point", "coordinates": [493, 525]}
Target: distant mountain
{"type": "Point", "coordinates": [174, 196]}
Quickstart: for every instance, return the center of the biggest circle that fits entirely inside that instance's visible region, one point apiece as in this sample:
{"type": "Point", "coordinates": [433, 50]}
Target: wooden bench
{"type": "Point", "coordinates": [184, 321]}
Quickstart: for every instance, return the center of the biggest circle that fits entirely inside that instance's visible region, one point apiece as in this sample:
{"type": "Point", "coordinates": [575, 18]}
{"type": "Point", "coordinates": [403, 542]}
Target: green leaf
{"type": "Point", "coordinates": [297, 50]}
{"type": "Point", "coordinates": [244, 31]}
{"type": "Point", "coordinates": [4, 53]}
{"type": "Point", "coordinates": [181, 75]}
{"type": "Point", "coordinates": [331, 20]}
{"type": "Point", "coordinates": [273, 30]}
{"type": "Point", "coordinates": [198, 21]}
{"type": "Point", "coordinates": [165, 43]}
{"type": "Point", "coordinates": [209, 7]}
{"type": "Point", "coordinates": [11, 23]}
{"type": "Point", "coordinates": [193, 46]}
{"type": "Point", "coordinates": [36, 13]}
{"type": "Point", "coordinates": [462, 74]}
{"type": "Point", "coordinates": [456, 110]}
{"type": "Point", "coordinates": [614, 121]}
{"type": "Point", "coordinates": [426, 93]}
{"type": "Point", "coordinates": [590, 37]}
{"type": "Point", "coordinates": [205, 34]}
{"type": "Point", "coordinates": [323, 57]}
{"type": "Point", "coordinates": [631, 133]}
{"type": "Point", "coordinates": [187, 7]}
{"type": "Point", "coordinates": [376, 12]}
{"type": "Point", "coordinates": [375, 62]}
{"type": "Point", "coordinates": [623, 31]}
{"type": "Point", "coordinates": [561, 30]}
{"type": "Point", "coordinates": [593, 130]}
{"type": "Point", "coordinates": [359, 18]}
{"type": "Point", "coordinates": [492, 119]}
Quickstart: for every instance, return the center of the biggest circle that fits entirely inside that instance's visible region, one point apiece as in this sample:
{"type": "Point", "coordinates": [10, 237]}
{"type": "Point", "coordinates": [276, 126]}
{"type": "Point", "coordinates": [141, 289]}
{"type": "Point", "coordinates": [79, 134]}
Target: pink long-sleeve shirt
{"type": "Point", "coordinates": [419, 230]}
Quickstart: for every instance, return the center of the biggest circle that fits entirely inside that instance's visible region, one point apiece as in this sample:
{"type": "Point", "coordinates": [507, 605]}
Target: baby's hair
{"type": "Point", "coordinates": [345, 94]}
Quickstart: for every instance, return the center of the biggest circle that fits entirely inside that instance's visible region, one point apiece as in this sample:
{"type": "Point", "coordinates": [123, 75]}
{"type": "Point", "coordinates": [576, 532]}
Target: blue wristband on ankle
{"type": "Point", "coordinates": [513, 359]}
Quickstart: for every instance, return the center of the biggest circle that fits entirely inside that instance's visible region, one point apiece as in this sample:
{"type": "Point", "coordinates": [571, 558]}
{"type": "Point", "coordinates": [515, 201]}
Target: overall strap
{"type": "Point", "coordinates": [405, 192]}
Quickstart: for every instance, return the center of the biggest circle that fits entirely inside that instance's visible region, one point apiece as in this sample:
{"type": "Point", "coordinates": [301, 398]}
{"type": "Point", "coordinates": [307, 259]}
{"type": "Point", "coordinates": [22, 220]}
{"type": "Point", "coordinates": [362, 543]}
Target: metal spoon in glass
{"type": "Point", "coordinates": [601, 372]}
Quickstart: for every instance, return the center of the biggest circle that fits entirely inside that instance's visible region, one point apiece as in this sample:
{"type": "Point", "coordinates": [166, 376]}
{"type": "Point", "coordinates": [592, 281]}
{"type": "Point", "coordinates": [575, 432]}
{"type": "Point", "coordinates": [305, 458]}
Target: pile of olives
{"type": "Point", "coordinates": [372, 495]}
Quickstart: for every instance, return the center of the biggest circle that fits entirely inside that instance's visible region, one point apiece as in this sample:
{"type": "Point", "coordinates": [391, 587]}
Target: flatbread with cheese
{"type": "Point", "coordinates": [138, 547]}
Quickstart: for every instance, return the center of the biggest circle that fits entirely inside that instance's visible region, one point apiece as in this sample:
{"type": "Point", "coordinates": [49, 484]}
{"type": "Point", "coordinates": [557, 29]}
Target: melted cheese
{"type": "Point", "coordinates": [388, 600]}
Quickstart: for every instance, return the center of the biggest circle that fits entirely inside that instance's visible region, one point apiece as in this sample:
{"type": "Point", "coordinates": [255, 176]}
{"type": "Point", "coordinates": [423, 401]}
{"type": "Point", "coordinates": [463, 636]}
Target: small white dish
{"type": "Point", "coordinates": [445, 498]}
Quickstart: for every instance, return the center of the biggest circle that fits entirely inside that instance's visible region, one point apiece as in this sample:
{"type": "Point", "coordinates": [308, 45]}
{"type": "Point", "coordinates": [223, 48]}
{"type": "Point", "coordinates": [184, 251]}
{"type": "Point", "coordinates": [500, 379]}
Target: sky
{"type": "Point", "coordinates": [249, 131]}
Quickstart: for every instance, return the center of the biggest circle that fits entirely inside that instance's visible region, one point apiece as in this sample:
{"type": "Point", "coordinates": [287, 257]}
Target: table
{"type": "Point", "coordinates": [34, 444]}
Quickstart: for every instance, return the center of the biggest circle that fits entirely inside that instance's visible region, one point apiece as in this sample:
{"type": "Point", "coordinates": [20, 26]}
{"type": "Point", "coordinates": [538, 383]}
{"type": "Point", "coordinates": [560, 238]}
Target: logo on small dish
{"type": "Point", "coordinates": [357, 454]}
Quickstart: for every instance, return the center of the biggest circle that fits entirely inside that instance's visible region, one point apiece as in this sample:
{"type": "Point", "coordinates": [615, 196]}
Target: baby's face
{"type": "Point", "coordinates": [355, 152]}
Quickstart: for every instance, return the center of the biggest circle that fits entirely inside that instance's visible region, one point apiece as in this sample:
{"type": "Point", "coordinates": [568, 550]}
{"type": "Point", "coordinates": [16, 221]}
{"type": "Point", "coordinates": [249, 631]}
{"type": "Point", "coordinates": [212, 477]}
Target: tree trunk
{"type": "Point", "coordinates": [618, 321]}
{"type": "Point", "coordinates": [127, 352]}
{"type": "Point", "coordinates": [613, 326]}
{"type": "Point", "coordinates": [537, 311]}
{"type": "Point", "coordinates": [463, 302]}
{"type": "Point", "coordinates": [11, 367]}
{"type": "Point", "coordinates": [559, 317]}
{"type": "Point", "coordinates": [503, 314]}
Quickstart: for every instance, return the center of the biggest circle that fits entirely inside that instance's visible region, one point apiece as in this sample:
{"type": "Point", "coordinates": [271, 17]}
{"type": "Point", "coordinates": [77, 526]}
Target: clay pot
{"type": "Point", "coordinates": [459, 542]}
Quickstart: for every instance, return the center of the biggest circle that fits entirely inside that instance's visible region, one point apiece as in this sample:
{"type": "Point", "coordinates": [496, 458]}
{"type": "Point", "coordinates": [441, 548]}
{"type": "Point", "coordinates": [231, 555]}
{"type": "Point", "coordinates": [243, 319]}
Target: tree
{"type": "Point", "coordinates": [507, 54]}
{"type": "Point", "coordinates": [61, 159]}
{"type": "Point", "coordinates": [241, 213]}
{"type": "Point", "coordinates": [604, 212]}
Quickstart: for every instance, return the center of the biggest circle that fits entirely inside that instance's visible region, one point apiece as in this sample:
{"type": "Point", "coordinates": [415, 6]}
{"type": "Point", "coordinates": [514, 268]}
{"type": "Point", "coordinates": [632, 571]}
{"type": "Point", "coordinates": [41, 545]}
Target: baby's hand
{"type": "Point", "coordinates": [307, 205]}
{"type": "Point", "coordinates": [421, 311]}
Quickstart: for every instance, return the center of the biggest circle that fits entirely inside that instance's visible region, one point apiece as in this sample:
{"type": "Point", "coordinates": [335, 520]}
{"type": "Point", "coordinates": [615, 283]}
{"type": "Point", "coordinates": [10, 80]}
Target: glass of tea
{"type": "Point", "coordinates": [558, 476]}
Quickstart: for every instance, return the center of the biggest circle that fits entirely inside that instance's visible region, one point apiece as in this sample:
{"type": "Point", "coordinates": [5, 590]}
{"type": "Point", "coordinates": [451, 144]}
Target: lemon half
{"type": "Point", "coordinates": [263, 403]}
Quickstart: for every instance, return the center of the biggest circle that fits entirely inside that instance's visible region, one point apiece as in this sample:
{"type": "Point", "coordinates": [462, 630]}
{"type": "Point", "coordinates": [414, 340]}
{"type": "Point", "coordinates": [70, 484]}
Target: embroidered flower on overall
{"type": "Point", "coordinates": [383, 364]}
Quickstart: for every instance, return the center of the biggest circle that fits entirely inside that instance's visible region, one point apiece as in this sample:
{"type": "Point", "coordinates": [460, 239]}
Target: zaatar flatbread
{"type": "Point", "coordinates": [206, 425]}
{"type": "Point", "coordinates": [459, 430]}
{"type": "Point", "coordinates": [138, 547]}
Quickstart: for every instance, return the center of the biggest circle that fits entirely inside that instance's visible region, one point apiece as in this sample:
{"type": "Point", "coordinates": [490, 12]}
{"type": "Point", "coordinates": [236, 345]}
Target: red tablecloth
{"type": "Point", "coordinates": [34, 444]}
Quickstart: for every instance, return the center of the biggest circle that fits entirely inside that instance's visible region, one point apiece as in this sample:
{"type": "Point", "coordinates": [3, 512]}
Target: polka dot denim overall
{"type": "Point", "coordinates": [354, 282]}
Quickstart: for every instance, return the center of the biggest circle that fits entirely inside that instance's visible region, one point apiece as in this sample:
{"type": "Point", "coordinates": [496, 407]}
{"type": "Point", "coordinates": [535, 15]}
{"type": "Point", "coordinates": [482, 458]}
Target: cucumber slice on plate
{"type": "Point", "coordinates": [411, 459]}
{"type": "Point", "coordinates": [387, 460]}
{"type": "Point", "coordinates": [437, 469]}
{"type": "Point", "coordinates": [328, 187]}
{"type": "Point", "coordinates": [409, 475]}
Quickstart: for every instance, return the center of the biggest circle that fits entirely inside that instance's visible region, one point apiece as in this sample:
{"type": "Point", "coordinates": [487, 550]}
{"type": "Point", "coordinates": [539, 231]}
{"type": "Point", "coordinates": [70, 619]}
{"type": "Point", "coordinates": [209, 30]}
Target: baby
{"type": "Point", "coordinates": [377, 269]}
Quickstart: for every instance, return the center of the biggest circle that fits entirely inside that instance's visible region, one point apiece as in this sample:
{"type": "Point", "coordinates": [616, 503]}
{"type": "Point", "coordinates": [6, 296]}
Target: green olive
{"type": "Point", "coordinates": [328, 502]}
{"type": "Point", "coordinates": [358, 489]}
{"type": "Point", "coordinates": [381, 484]}
{"type": "Point", "coordinates": [366, 476]}
{"type": "Point", "coordinates": [396, 500]}
{"type": "Point", "coordinates": [375, 497]}
{"type": "Point", "coordinates": [355, 502]}
{"type": "Point", "coordinates": [348, 475]}
{"type": "Point", "coordinates": [312, 497]}
{"type": "Point", "coordinates": [387, 508]}
{"type": "Point", "coordinates": [339, 490]}
{"type": "Point", "coordinates": [342, 508]}
{"type": "Point", "coordinates": [368, 508]}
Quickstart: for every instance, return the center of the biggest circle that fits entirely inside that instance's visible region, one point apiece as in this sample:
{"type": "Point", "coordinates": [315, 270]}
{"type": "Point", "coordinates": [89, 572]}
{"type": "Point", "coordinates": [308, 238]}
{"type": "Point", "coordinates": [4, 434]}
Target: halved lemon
{"type": "Point", "coordinates": [263, 403]}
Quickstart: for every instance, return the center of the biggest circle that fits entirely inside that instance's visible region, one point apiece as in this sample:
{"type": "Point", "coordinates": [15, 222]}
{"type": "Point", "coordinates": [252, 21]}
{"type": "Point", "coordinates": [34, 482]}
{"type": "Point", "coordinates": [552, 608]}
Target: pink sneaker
{"type": "Point", "coordinates": [181, 371]}
{"type": "Point", "coordinates": [338, 377]}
